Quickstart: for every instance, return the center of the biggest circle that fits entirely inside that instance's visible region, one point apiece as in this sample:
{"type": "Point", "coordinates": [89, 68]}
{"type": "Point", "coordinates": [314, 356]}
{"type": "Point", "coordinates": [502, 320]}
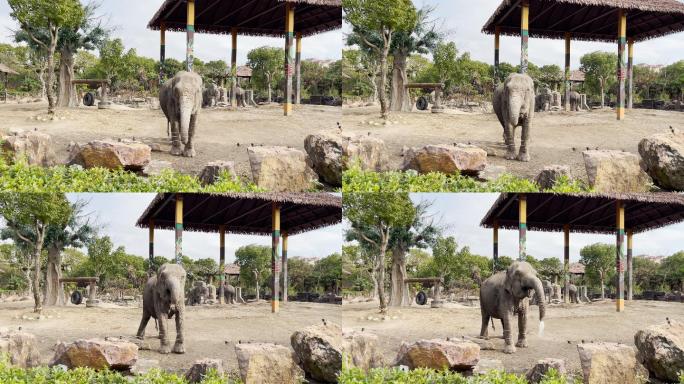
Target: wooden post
{"type": "Point", "coordinates": [495, 251]}
{"type": "Point", "coordinates": [162, 52]}
{"type": "Point", "coordinates": [567, 71]}
{"type": "Point", "coordinates": [620, 256]}
{"type": "Point", "coordinates": [524, 35]}
{"type": "Point", "coordinates": [275, 257]}
{"type": "Point", "coordinates": [190, 54]}
{"type": "Point", "coordinates": [622, 70]}
{"type": "Point", "coordinates": [566, 261]}
{"type": "Point", "coordinates": [630, 280]}
{"type": "Point", "coordinates": [233, 67]}
{"type": "Point", "coordinates": [222, 262]}
{"type": "Point", "coordinates": [289, 57]}
{"type": "Point", "coordinates": [522, 229]}
{"type": "Point", "coordinates": [630, 75]}
{"type": "Point", "coordinates": [151, 250]}
{"type": "Point", "coordinates": [298, 70]}
{"type": "Point", "coordinates": [285, 278]}
{"type": "Point", "coordinates": [179, 228]}
{"type": "Point", "coordinates": [497, 42]}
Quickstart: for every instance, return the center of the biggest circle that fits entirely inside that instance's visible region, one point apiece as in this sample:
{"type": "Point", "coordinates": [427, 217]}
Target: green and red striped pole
{"type": "Point", "coordinates": [630, 279]}
{"type": "Point", "coordinates": [233, 67]}
{"type": "Point", "coordinates": [298, 70]}
{"type": "Point", "coordinates": [289, 56]}
{"type": "Point", "coordinates": [190, 54]}
{"type": "Point", "coordinates": [567, 72]}
{"type": "Point", "coordinates": [275, 257]}
{"type": "Point", "coordinates": [179, 228]}
{"type": "Point", "coordinates": [151, 250]}
{"type": "Point", "coordinates": [522, 228]}
{"type": "Point", "coordinates": [222, 262]}
{"type": "Point", "coordinates": [566, 261]}
{"type": "Point", "coordinates": [620, 256]}
{"type": "Point", "coordinates": [630, 74]}
{"type": "Point", "coordinates": [162, 51]}
{"type": "Point", "coordinates": [495, 251]}
{"type": "Point", "coordinates": [285, 278]}
{"type": "Point", "coordinates": [497, 42]}
{"type": "Point", "coordinates": [524, 35]}
{"type": "Point", "coordinates": [622, 70]}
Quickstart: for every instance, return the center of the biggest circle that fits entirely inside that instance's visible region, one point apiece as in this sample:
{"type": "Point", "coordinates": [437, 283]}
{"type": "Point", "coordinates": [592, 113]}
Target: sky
{"type": "Point", "coordinates": [460, 214]}
{"type": "Point", "coordinates": [129, 18]}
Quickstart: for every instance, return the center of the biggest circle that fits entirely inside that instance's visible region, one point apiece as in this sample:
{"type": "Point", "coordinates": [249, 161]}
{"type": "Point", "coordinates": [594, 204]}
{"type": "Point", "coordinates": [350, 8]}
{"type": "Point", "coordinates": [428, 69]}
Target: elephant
{"type": "Point", "coordinates": [507, 293]}
{"type": "Point", "coordinates": [544, 100]}
{"type": "Point", "coordinates": [240, 97]}
{"type": "Point", "coordinates": [164, 298]}
{"type": "Point", "coordinates": [573, 293]}
{"type": "Point", "coordinates": [180, 99]}
{"type": "Point", "coordinates": [575, 101]}
{"type": "Point", "coordinates": [198, 294]}
{"type": "Point", "coordinates": [229, 294]}
{"type": "Point", "coordinates": [548, 290]}
{"type": "Point", "coordinates": [514, 103]}
{"type": "Point", "coordinates": [211, 95]}
{"type": "Point", "coordinates": [212, 292]}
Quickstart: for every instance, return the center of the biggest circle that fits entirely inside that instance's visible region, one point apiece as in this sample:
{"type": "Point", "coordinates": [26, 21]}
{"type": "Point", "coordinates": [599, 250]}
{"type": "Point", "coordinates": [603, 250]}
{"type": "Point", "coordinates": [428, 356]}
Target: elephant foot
{"type": "Point", "coordinates": [484, 337]}
{"type": "Point", "coordinates": [165, 349]}
{"type": "Point", "coordinates": [176, 151]}
{"type": "Point", "coordinates": [178, 348]}
{"type": "Point", "coordinates": [509, 349]}
{"type": "Point", "coordinates": [524, 157]}
{"type": "Point", "coordinates": [510, 155]}
{"type": "Point", "coordinates": [521, 343]}
{"type": "Point", "coordinates": [189, 152]}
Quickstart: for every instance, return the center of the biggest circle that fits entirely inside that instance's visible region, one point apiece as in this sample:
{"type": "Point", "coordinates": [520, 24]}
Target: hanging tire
{"type": "Point", "coordinates": [422, 103]}
{"type": "Point", "coordinates": [76, 298]}
{"type": "Point", "coordinates": [88, 99]}
{"type": "Point", "coordinates": [421, 298]}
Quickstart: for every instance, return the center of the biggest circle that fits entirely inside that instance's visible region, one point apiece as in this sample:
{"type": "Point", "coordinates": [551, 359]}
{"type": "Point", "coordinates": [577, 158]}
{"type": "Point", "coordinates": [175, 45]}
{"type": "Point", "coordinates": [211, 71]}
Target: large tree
{"type": "Point", "coordinates": [267, 67]}
{"type": "Point", "coordinates": [255, 265]}
{"type": "Point", "coordinates": [51, 16]}
{"type": "Point", "coordinates": [599, 262]}
{"type": "Point", "coordinates": [600, 69]}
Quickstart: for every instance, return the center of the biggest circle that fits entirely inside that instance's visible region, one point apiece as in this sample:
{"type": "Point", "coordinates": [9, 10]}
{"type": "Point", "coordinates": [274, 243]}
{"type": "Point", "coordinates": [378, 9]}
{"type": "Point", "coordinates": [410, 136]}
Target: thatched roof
{"type": "Point", "coordinates": [576, 268]}
{"type": "Point", "coordinates": [250, 17]}
{"type": "Point", "coordinates": [592, 20]}
{"type": "Point", "coordinates": [588, 213]}
{"type": "Point", "coordinates": [577, 76]}
{"type": "Point", "coordinates": [231, 269]}
{"type": "Point", "coordinates": [243, 71]}
{"type": "Point", "coordinates": [6, 69]}
{"type": "Point", "coordinates": [245, 213]}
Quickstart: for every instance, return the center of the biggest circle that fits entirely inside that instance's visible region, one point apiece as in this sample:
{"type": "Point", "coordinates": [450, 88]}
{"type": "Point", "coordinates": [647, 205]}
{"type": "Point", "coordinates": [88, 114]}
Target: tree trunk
{"type": "Point", "coordinates": [380, 272]}
{"type": "Point", "coordinates": [67, 93]}
{"type": "Point", "coordinates": [384, 110]}
{"type": "Point", "coordinates": [256, 280]}
{"type": "Point", "coordinates": [374, 278]}
{"type": "Point", "coordinates": [29, 282]}
{"type": "Point", "coordinates": [400, 99]}
{"type": "Point", "coordinates": [51, 76]}
{"type": "Point", "coordinates": [269, 91]}
{"type": "Point", "coordinates": [603, 96]}
{"type": "Point", "coordinates": [400, 297]}
{"type": "Point", "coordinates": [374, 86]}
{"type": "Point", "coordinates": [43, 82]}
{"type": "Point", "coordinates": [603, 289]}
{"type": "Point", "coordinates": [53, 289]}
{"type": "Point", "coordinates": [37, 249]}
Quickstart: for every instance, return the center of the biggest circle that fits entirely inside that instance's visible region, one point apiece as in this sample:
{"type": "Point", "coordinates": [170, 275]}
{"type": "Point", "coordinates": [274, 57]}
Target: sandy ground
{"type": "Point", "coordinates": [565, 327]}
{"type": "Point", "coordinates": [210, 331]}
{"type": "Point", "coordinates": [556, 137]}
{"type": "Point", "coordinates": [217, 137]}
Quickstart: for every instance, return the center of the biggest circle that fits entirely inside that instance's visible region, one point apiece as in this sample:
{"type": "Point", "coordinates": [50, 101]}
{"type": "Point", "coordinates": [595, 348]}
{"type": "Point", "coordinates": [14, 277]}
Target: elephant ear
{"type": "Point", "coordinates": [508, 283]}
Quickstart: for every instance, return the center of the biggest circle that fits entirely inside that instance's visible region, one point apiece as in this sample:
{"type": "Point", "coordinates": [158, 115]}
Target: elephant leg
{"type": "Point", "coordinates": [143, 325]}
{"type": "Point", "coordinates": [176, 149]}
{"type": "Point", "coordinates": [484, 331]}
{"type": "Point", "coordinates": [523, 155]}
{"type": "Point", "coordinates": [178, 346]}
{"type": "Point", "coordinates": [506, 321]}
{"type": "Point", "coordinates": [163, 318]}
{"type": "Point", "coordinates": [189, 147]}
{"type": "Point", "coordinates": [522, 329]}
{"type": "Point", "coordinates": [510, 142]}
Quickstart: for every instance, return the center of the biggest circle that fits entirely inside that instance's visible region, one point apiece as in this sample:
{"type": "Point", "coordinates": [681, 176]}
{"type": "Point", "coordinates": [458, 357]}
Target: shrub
{"type": "Point", "coordinates": [428, 376]}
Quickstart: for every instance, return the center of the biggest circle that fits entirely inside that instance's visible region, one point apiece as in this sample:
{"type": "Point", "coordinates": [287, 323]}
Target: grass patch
{"type": "Point", "coordinates": [428, 376]}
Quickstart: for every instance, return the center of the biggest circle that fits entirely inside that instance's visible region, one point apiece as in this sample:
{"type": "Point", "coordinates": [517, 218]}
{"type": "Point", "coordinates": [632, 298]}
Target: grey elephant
{"type": "Point", "coordinates": [548, 290]}
{"type": "Point", "coordinates": [229, 294]}
{"type": "Point", "coordinates": [240, 97]}
{"type": "Point", "coordinates": [198, 294]}
{"type": "Point", "coordinates": [544, 100]}
{"type": "Point", "coordinates": [507, 293]}
{"type": "Point", "coordinates": [514, 103]}
{"type": "Point", "coordinates": [575, 101]}
{"type": "Point", "coordinates": [164, 298]}
{"type": "Point", "coordinates": [211, 95]}
{"type": "Point", "coordinates": [211, 288]}
{"type": "Point", "coordinates": [572, 293]}
{"type": "Point", "coordinates": [180, 99]}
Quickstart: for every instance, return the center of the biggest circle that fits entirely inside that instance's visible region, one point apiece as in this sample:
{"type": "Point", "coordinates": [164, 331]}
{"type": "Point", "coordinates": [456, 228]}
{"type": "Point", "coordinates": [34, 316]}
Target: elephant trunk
{"type": "Point", "coordinates": [185, 115]}
{"type": "Point", "coordinates": [539, 296]}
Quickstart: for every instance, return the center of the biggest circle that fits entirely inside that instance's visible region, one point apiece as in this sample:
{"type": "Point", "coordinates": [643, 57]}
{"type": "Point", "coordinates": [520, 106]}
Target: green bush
{"type": "Point", "coordinates": [428, 376]}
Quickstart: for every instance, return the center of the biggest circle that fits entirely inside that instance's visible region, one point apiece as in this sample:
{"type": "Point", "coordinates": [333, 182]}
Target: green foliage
{"type": "Point", "coordinates": [457, 266]}
{"type": "Point", "coordinates": [254, 258]}
{"type": "Point", "coordinates": [266, 63]}
{"type": "Point", "coordinates": [599, 262]}
{"type": "Point", "coordinates": [46, 13]}
{"type": "Point", "coordinates": [356, 269]}
{"type": "Point", "coordinates": [377, 16]}
{"type": "Point", "coordinates": [600, 69]}
{"type": "Point", "coordinates": [327, 272]}
{"type": "Point", "coordinates": [424, 376]}
{"type": "Point", "coordinates": [672, 268]}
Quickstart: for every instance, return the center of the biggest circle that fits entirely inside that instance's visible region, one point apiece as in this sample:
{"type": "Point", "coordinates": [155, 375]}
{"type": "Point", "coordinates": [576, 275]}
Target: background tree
{"type": "Point", "coordinates": [646, 275]}
{"type": "Point", "coordinates": [551, 76]}
{"type": "Point", "coordinates": [599, 262]}
{"type": "Point", "coordinates": [673, 77]}
{"type": "Point", "coordinates": [359, 73]}
{"type": "Point", "coordinates": [300, 275]}
{"type": "Point", "coordinates": [255, 265]}
{"type": "Point", "coordinates": [672, 269]}
{"type": "Point", "coordinates": [328, 273]}
{"type": "Point", "coordinates": [266, 64]}
{"type": "Point", "coordinates": [600, 69]}
{"type": "Point", "coordinates": [551, 268]}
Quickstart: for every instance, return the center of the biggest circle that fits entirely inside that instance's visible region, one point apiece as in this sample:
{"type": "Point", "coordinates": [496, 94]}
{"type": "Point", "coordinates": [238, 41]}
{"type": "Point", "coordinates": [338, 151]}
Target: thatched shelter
{"type": "Point", "coordinates": [619, 214]}
{"type": "Point", "coordinates": [273, 214]}
{"type": "Point", "coordinates": [276, 18]}
{"type": "Point", "coordinates": [7, 71]}
{"type": "Point", "coordinates": [588, 20]}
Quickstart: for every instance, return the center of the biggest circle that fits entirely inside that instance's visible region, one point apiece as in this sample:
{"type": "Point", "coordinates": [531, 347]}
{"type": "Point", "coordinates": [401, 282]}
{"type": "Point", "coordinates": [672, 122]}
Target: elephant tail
{"type": "Point", "coordinates": [156, 325]}
{"type": "Point", "coordinates": [168, 127]}
{"type": "Point", "coordinates": [493, 327]}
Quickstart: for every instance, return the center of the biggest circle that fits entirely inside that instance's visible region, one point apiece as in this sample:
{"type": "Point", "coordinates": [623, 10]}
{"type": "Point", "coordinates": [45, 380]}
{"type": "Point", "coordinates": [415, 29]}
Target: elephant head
{"type": "Point", "coordinates": [521, 279]}
{"type": "Point", "coordinates": [187, 92]}
{"type": "Point", "coordinates": [171, 286]}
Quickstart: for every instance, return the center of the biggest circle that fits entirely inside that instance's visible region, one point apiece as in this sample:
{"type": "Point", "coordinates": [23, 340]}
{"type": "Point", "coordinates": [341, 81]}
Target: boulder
{"type": "Point", "coordinates": [615, 172]}
{"type": "Point", "coordinates": [492, 172]}
{"type": "Point", "coordinates": [439, 354]}
{"type": "Point", "coordinates": [34, 146]}
{"type": "Point", "coordinates": [548, 176]}
{"type": "Point", "coordinates": [21, 348]}
{"type": "Point", "coordinates": [449, 159]}
{"type": "Point", "coordinates": [361, 350]}
{"type": "Point", "coordinates": [610, 363]}
{"type": "Point", "coordinates": [486, 365]}
{"type": "Point", "coordinates": [212, 170]}
{"type": "Point", "coordinates": [144, 366]}
{"type": "Point", "coordinates": [543, 366]}
{"type": "Point", "coordinates": [662, 156]}
{"type": "Point", "coordinates": [96, 354]}
{"type": "Point", "coordinates": [266, 363]}
{"type": "Point", "coordinates": [129, 155]}
{"type": "Point", "coordinates": [661, 350]}
{"type": "Point", "coordinates": [330, 154]}
{"type": "Point", "coordinates": [319, 350]}
{"type": "Point", "coordinates": [156, 167]}
{"type": "Point", "coordinates": [201, 368]}
{"type": "Point", "coordinates": [280, 169]}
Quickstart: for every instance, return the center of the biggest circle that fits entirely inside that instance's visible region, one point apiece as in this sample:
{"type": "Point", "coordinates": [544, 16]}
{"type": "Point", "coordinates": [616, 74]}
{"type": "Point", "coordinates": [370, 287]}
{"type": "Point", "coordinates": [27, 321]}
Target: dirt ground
{"type": "Point", "coordinates": [210, 331]}
{"type": "Point", "coordinates": [556, 137]}
{"type": "Point", "coordinates": [565, 327]}
{"type": "Point", "coordinates": [218, 135]}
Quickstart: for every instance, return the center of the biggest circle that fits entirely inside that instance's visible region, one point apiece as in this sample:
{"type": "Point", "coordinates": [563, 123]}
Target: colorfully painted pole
{"type": "Point", "coordinates": [566, 262]}
{"type": "Point", "coordinates": [151, 250]}
{"type": "Point", "coordinates": [190, 54]}
{"type": "Point", "coordinates": [630, 74]}
{"type": "Point", "coordinates": [622, 67]}
{"type": "Point", "coordinates": [233, 67]}
{"type": "Point", "coordinates": [630, 269]}
{"type": "Point", "coordinates": [222, 262]}
{"type": "Point", "coordinates": [298, 70]}
{"type": "Point", "coordinates": [567, 71]}
{"type": "Point", "coordinates": [620, 256]}
{"type": "Point", "coordinates": [495, 251]}
{"type": "Point", "coordinates": [497, 44]}
{"type": "Point", "coordinates": [162, 51]}
{"type": "Point", "coordinates": [522, 229]}
{"type": "Point", "coordinates": [285, 278]}
{"type": "Point", "coordinates": [289, 56]}
{"type": "Point", "coordinates": [179, 228]}
{"type": "Point", "coordinates": [275, 257]}
{"type": "Point", "coordinates": [524, 35]}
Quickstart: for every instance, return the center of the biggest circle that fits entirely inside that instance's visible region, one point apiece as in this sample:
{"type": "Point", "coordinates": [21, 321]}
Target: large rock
{"type": "Point", "coordinates": [661, 350]}
{"type": "Point", "coordinates": [35, 147]}
{"type": "Point", "coordinates": [201, 368]}
{"type": "Point", "coordinates": [361, 350]}
{"type": "Point", "coordinates": [211, 172]}
{"type": "Point", "coordinates": [542, 368]}
{"type": "Point", "coordinates": [21, 347]}
{"type": "Point", "coordinates": [280, 169]}
{"type": "Point", "coordinates": [549, 175]}
{"type": "Point", "coordinates": [319, 349]}
{"type": "Point", "coordinates": [609, 363]}
{"type": "Point", "coordinates": [96, 354]}
{"type": "Point", "coordinates": [129, 155]}
{"type": "Point", "coordinates": [144, 366]}
{"type": "Point", "coordinates": [266, 363]}
{"type": "Point", "coordinates": [615, 171]}
{"type": "Point", "coordinates": [444, 158]}
{"type": "Point", "coordinates": [330, 154]}
{"type": "Point", "coordinates": [486, 365]}
{"type": "Point", "coordinates": [663, 158]}
{"type": "Point", "coordinates": [156, 167]}
{"type": "Point", "coordinates": [439, 354]}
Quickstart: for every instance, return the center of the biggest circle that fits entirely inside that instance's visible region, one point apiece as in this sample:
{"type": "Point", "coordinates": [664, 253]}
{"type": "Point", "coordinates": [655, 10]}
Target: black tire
{"type": "Point", "coordinates": [422, 103]}
{"type": "Point", "coordinates": [421, 298]}
{"type": "Point", "coordinates": [89, 99]}
{"type": "Point", "coordinates": [76, 297]}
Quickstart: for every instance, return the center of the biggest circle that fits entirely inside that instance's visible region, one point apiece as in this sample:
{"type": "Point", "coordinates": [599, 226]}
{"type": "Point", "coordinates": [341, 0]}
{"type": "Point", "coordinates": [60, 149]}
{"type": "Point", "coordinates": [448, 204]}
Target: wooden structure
{"type": "Point", "coordinates": [95, 84]}
{"type": "Point", "coordinates": [435, 283]}
{"type": "Point", "coordinates": [292, 19]}
{"type": "Point", "coordinates": [624, 22]}
{"type": "Point", "coordinates": [90, 282]}
{"type": "Point", "coordinates": [437, 87]}
{"type": "Point", "coordinates": [621, 214]}
{"type": "Point", "coordinates": [274, 214]}
{"type": "Point", "coordinates": [6, 71]}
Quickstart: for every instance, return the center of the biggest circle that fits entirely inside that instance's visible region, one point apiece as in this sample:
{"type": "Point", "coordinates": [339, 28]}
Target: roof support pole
{"type": "Point", "coordinates": [150, 268]}
{"type": "Point", "coordinates": [522, 228]}
{"type": "Point", "coordinates": [620, 256]}
{"type": "Point", "coordinates": [222, 262]}
{"type": "Point", "coordinates": [497, 42]}
{"type": "Point", "coordinates": [6, 85]}
{"type": "Point", "coordinates": [285, 278]}
{"type": "Point", "coordinates": [289, 57]}
{"type": "Point", "coordinates": [298, 70]}
{"type": "Point", "coordinates": [630, 281]}
{"type": "Point", "coordinates": [566, 262]}
{"type": "Point", "coordinates": [233, 67]}
{"type": "Point", "coordinates": [524, 35]}
{"type": "Point", "coordinates": [275, 257]}
{"type": "Point", "coordinates": [622, 67]}
{"type": "Point", "coordinates": [162, 52]}
{"type": "Point", "coordinates": [179, 228]}
{"type": "Point", "coordinates": [567, 71]}
{"type": "Point", "coordinates": [630, 74]}
{"type": "Point", "coordinates": [190, 29]}
{"type": "Point", "coordinates": [495, 250]}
